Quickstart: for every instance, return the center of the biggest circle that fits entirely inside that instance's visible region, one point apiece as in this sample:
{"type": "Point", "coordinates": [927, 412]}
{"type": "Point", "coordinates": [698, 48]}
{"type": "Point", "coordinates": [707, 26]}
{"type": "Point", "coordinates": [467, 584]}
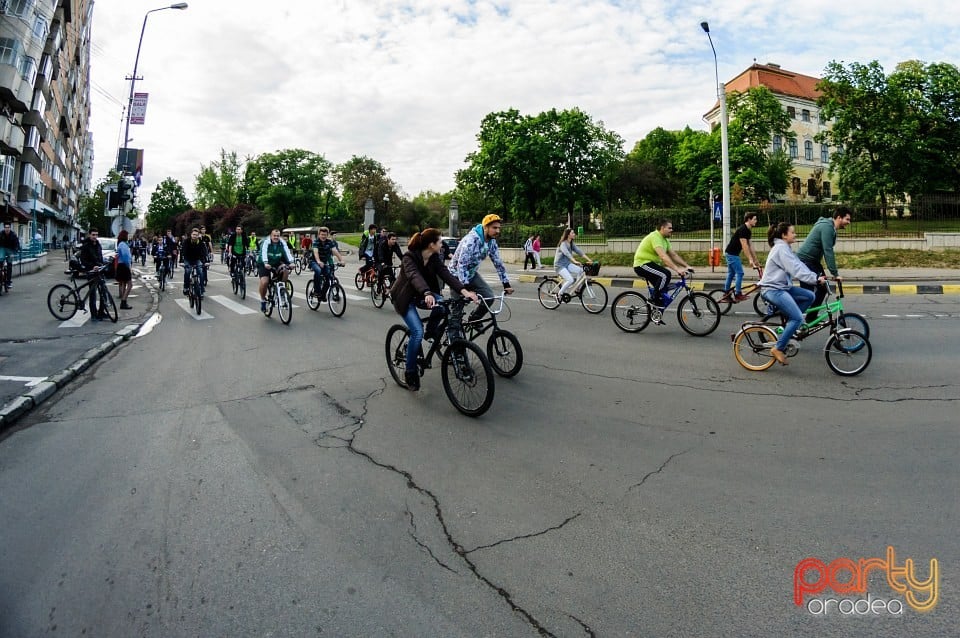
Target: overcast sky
{"type": "Point", "coordinates": [408, 82]}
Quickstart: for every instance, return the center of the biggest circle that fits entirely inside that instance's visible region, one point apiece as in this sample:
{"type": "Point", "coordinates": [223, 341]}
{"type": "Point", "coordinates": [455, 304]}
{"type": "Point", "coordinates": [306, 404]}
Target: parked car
{"type": "Point", "coordinates": [449, 245]}
{"type": "Point", "coordinates": [109, 247]}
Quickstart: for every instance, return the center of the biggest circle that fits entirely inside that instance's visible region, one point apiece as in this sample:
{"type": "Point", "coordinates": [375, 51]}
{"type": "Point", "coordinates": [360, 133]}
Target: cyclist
{"type": "Point", "coordinates": [273, 253]}
{"type": "Point", "coordinates": [776, 284]}
{"type": "Point", "coordinates": [9, 246]}
{"type": "Point", "coordinates": [165, 250]}
{"type": "Point", "coordinates": [194, 252]}
{"type": "Point", "coordinates": [476, 246]}
{"type": "Point", "coordinates": [819, 246]}
{"type": "Point", "coordinates": [740, 242]}
{"type": "Point", "coordinates": [653, 258]}
{"type": "Point", "coordinates": [91, 257]}
{"type": "Point", "coordinates": [236, 247]}
{"type": "Point", "coordinates": [417, 286]}
{"type": "Point", "coordinates": [565, 261]}
{"type": "Point", "coordinates": [368, 243]}
{"type": "Point", "coordinates": [254, 244]}
{"type": "Point", "coordinates": [320, 259]}
{"type": "Point", "coordinates": [388, 248]}
{"type": "Point", "coordinates": [208, 240]}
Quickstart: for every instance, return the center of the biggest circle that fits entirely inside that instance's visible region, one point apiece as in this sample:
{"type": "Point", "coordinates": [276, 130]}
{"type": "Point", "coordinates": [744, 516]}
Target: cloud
{"type": "Point", "coordinates": [408, 82]}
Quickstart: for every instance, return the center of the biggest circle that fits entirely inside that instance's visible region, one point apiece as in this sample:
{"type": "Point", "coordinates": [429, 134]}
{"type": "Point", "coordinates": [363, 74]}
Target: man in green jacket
{"type": "Point", "coordinates": [818, 246]}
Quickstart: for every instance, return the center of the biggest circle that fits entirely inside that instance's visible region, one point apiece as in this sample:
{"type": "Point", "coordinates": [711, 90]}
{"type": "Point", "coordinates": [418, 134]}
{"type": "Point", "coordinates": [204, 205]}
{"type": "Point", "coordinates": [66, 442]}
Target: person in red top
{"type": "Point", "coordinates": [305, 242]}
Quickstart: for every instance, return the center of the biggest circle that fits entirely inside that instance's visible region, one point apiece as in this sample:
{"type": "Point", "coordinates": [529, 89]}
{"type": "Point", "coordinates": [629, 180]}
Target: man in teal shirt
{"type": "Point", "coordinates": [655, 259]}
{"type": "Point", "coordinates": [818, 247]}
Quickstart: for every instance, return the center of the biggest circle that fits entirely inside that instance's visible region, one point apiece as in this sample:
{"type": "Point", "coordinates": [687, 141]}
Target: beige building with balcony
{"type": "Point", "coordinates": [45, 146]}
{"type": "Point", "coordinates": [811, 180]}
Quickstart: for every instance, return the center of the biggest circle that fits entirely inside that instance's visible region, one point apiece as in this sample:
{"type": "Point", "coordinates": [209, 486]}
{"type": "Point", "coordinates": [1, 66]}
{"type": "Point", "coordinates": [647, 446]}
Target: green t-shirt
{"type": "Point", "coordinates": [238, 245]}
{"type": "Point", "coordinates": [647, 250]}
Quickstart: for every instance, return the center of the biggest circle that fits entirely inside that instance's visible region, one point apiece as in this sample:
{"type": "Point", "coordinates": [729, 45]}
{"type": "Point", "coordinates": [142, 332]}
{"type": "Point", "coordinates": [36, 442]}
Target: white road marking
{"type": "Point", "coordinates": [238, 308]}
{"type": "Point", "coordinates": [76, 320]}
{"type": "Point", "coordinates": [185, 305]}
{"type": "Point", "coordinates": [28, 381]}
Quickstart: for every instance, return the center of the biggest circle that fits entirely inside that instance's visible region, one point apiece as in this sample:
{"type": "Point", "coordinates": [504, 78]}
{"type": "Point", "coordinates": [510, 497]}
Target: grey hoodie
{"type": "Point", "coordinates": [782, 266]}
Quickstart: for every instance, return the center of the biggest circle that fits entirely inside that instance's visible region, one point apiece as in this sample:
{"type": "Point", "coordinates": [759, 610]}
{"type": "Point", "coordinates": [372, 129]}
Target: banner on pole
{"type": "Point", "coordinates": [138, 108]}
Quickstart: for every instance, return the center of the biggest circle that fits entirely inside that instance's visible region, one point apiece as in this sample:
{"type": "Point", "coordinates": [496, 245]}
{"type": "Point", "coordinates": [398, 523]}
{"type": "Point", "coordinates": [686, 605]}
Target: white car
{"type": "Point", "coordinates": [109, 247]}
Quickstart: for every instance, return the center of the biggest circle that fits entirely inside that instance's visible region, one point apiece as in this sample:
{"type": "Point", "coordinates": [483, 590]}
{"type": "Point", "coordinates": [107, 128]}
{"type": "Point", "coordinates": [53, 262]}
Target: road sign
{"type": "Point", "coordinates": [717, 211]}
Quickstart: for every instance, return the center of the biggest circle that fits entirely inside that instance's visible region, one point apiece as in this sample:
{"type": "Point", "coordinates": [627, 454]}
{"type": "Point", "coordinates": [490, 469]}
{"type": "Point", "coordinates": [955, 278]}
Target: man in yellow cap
{"type": "Point", "coordinates": [475, 246]}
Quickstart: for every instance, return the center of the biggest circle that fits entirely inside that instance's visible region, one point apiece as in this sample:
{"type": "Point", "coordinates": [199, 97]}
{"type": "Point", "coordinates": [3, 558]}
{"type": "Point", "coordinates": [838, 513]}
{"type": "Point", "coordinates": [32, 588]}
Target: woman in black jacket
{"type": "Point", "coordinates": [417, 286]}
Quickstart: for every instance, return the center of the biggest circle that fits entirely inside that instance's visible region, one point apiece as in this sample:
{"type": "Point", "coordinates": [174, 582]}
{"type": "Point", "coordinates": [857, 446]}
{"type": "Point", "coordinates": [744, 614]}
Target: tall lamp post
{"type": "Point", "coordinates": [724, 143]}
{"type": "Point", "coordinates": [136, 62]}
{"type": "Point", "coordinates": [386, 208]}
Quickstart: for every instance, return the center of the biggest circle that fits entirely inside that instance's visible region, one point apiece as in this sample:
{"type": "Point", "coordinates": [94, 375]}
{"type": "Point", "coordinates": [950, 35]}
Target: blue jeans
{"type": "Point", "coordinates": [187, 265]}
{"type": "Point", "coordinates": [415, 324]}
{"type": "Point", "coordinates": [321, 281]}
{"type": "Point", "coordinates": [791, 303]}
{"type": "Point", "coordinates": [734, 267]}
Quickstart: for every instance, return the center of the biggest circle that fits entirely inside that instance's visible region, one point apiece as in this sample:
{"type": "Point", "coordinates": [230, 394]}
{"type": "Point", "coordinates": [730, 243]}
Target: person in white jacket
{"type": "Point", "coordinates": [777, 287]}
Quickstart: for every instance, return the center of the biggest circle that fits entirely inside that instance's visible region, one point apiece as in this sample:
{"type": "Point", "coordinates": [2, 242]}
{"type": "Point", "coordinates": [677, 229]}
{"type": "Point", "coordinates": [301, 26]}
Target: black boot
{"type": "Point", "coordinates": [412, 379]}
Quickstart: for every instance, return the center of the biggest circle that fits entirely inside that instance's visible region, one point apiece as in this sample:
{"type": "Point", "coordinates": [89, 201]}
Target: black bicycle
{"type": "Point", "coordinates": [195, 289]}
{"type": "Point", "coordinates": [238, 280]}
{"type": "Point", "coordinates": [65, 300]}
{"type": "Point", "coordinates": [380, 290]}
{"type": "Point", "coordinates": [466, 373]}
{"type": "Point", "coordinates": [163, 272]}
{"type": "Point", "coordinates": [503, 347]}
{"type": "Point", "coordinates": [336, 296]}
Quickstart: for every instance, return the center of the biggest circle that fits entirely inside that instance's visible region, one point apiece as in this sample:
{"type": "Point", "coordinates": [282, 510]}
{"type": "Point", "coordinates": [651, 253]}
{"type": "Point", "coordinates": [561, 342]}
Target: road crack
{"type": "Point", "coordinates": [659, 469]}
{"type": "Point", "coordinates": [522, 536]}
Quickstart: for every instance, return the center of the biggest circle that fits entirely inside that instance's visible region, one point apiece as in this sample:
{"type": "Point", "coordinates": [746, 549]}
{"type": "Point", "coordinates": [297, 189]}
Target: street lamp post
{"type": "Point", "coordinates": [386, 208]}
{"type": "Point", "coordinates": [724, 142]}
{"type": "Point", "coordinates": [136, 63]}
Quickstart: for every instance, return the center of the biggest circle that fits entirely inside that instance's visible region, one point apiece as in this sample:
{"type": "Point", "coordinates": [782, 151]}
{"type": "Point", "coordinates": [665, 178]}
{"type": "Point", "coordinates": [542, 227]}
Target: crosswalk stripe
{"type": "Point", "coordinates": [185, 305]}
{"type": "Point", "coordinates": [238, 308]}
{"type": "Point", "coordinates": [76, 320]}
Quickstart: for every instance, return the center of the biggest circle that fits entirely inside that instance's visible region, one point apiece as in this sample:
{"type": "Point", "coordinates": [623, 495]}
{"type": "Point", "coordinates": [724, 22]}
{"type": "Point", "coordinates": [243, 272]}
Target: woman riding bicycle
{"type": "Point", "coordinates": [777, 287]}
{"type": "Point", "coordinates": [565, 262]}
{"type": "Point", "coordinates": [417, 286]}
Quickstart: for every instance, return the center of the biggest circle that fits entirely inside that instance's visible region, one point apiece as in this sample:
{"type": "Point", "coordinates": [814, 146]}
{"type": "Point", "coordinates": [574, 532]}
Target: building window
{"type": "Point", "coordinates": [39, 103]}
{"type": "Point", "coordinates": [777, 143]}
{"type": "Point", "coordinates": [795, 184]}
{"type": "Point", "coordinates": [826, 190]}
{"type": "Point", "coordinates": [28, 69]}
{"type": "Point", "coordinates": [805, 115]}
{"type": "Point", "coordinates": [824, 153]}
{"type": "Point", "coordinates": [792, 112]}
{"type": "Point", "coordinates": [32, 138]}
{"type": "Point", "coordinates": [808, 150]}
{"type": "Point", "coordinates": [6, 173]}
{"type": "Point", "coordinates": [9, 52]}
{"type": "Point", "coordinates": [41, 28]}
{"type": "Point", "coordinates": [823, 119]}
{"type": "Point", "coordinates": [793, 149]}
{"type": "Point", "coordinates": [16, 8]}
{"type": "Point", "coordinates": [812, 187]}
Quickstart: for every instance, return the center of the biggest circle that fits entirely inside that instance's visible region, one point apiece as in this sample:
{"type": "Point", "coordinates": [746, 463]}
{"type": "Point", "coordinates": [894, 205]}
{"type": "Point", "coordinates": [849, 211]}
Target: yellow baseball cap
{"type": "Point", "coordinates": [489, 219]}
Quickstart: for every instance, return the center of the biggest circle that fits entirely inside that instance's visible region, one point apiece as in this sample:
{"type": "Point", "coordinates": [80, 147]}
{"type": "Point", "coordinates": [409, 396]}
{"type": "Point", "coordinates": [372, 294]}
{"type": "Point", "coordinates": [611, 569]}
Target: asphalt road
{"type": "Point", "coordinates": [231, 476]}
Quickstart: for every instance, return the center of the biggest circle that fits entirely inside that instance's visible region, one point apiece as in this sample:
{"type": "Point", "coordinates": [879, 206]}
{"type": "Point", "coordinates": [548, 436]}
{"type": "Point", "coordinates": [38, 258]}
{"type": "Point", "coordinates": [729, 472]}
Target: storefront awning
{"type": "Point", "coordinates": [13, 212]}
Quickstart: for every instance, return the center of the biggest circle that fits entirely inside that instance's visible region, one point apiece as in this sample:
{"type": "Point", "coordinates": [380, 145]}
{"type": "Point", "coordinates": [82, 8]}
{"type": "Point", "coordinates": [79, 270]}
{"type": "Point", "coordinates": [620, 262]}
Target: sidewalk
{"type": "Point", "coordinates": [883, 281]}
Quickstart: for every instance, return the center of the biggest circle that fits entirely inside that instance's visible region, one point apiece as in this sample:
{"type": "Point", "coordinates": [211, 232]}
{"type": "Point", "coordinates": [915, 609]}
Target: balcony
{"type": "Point", "coordinates": [11, 138]}
{"type": "Point", "coordinates": [35, 118]}
{"type": "Point", "coordinates": [13, 90]}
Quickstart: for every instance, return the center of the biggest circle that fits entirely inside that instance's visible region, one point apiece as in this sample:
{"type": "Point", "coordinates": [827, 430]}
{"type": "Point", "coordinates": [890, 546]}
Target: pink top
{"type": "Point", "coordinates": [536, 245]}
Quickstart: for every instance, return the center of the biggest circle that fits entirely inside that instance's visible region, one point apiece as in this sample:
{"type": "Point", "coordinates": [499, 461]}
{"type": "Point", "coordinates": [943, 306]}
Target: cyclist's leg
{"type": "Point", "coordinates": [734, 273]}
{"type": "Point", "coordinates": [482, 288]}
{"type": "Point", "coordinates": [317, 278]}
{"type": "Point", "coordinates": [569, 274]}
{"type": "Point", "coordinates": [657, 276]}
{"type": "Point", "coordinates": [415, 325]}
{"type": "Point", "coordinates": [819, 290]}
{"type": "Point", "coordinates": [186, 276]}
{"type": "Point", "coordinates": [790, 303]}
{"type": "Point", "coordinates": [324, 281]}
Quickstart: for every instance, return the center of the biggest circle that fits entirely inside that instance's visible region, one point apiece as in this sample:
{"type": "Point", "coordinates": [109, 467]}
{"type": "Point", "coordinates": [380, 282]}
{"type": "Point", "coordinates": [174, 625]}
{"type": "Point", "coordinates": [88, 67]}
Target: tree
{"type": "Point", "coordinates": [289, 186]}
{"type": "Point", "coordinates": [758, 116]}
{"type": "Point", "coordinates": [92, 206]}
{"type": "Point", "coordinates": [167, 202]}
{"type": "Point", "coordinates": [219, 182]}
{"type": "Point", "coordinates": [363, 178]}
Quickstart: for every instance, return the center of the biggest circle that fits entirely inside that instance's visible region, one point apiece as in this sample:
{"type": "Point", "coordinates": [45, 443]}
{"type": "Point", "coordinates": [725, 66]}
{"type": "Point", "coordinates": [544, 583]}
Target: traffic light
{"type": "Point", "coordinates": [113, 198]}
{"type": "Point", "coordinates": [124, 190]}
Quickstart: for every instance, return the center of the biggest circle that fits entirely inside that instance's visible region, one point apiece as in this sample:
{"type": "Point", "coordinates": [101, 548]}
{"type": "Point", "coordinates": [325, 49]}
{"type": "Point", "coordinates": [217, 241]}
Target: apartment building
{"type": "Point", "coordinates": [811, 180]}
{"type": "Point", "coordinates": [45, 146]}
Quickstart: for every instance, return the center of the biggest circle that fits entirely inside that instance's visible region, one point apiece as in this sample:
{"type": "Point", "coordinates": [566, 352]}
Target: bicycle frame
{"type": "Point", "coordinates": [489, 320]}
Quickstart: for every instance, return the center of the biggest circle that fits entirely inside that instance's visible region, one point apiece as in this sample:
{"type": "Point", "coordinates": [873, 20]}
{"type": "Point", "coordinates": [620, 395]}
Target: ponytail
{"type": "Point", "coordinates": [777, 231]}
{"type": "Point", "coordinates": [421, 240]}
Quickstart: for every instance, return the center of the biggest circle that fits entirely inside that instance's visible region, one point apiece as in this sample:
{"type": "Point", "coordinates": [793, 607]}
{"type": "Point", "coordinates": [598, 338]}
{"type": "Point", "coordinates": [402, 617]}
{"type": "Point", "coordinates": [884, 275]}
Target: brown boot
{"type": "Point", "coordinates": [779, 356]}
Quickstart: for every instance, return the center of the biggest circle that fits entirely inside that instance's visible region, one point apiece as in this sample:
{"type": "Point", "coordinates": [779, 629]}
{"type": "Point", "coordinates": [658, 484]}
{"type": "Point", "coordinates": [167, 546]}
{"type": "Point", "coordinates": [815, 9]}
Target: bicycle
{"type": "Point", "coordinates": [845, 319]}
{"type": "Point", "coordinates": [380, 289]}
{"type": "Point", "coordinates": [592, 294]}
{"type": "Point", "coordinates": [848, 352]}
{"type": "Point", "coordinates": [6, 273]}
{"type": "Point", "coordinates": [698, 314]}
{"type": "Point", "coordinates": [366, 277]}
{"type": "Point", "coordinates": [336, 295]}
{"type": "Point", "coordinates": [195, 289]}
{"type": "Point", "coordinates": [250, 263]}
{"type": "Point", "coordinates": [466, 373]}
{"type": "Point", "coordinates": [64, 300]}
{"type": "Point", "coordinates": [163, 271]}
{"type": "Point", "coordinates": [301, 262]}
{"type": "Point", "coordinates": [280, 295]}
{"type": "Point", "coordinates": [238, 280]}
{"type": "Point", "coordinates": [503, 348]}
{"type": "Point", "coordinates": [726, 298]}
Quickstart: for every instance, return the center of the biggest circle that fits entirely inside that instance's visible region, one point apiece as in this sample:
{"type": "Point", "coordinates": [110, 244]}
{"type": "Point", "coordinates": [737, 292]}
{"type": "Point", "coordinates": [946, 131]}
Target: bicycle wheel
{"type": "Point", "coordinates": [289, 286]}
{"type": "Point", "coordinates": [630, 311]}
{"type": "Point", "coordinates": [467, 378]}
{"type": "Point", "coordinates": [358, 281]}
{"type": "Point", "coordinates": [848, 352]}
{"type": "Point", "coordinates": [162, 277]}
{"type": "Point", "coordinates": [760, 305]}
{"type": "Point", "coordinates": [196, 292]}
{"type": "Point", "coordinates": [378, 294]}
{"type": "Point", "coordinates": [297, 266]}
{"type": "Point", "coordinates": [337, 299]}
{"type": "Point", "coordinates": [593, 297]}
{"type": "Point", "coordinates": [396, 351]}
{"type": "Point", "coordinates": [504, 353]}
{"type": "Point", "coordinates": [313, 301]}
{"type": "Point", "coordinates": [722, 297]}
{"type": "Point", "coordinates": [235, 282]}
{"type": "Point", "coordinates": [699, 314]}
{"type": "Point", "coordinates": [547, 293]}
{"type": "Point", "coordinates": [271, 298]}
{"type": "Point", "coordinates": [854, 321]}
{"type": "Point", "coordinates": [63, 302]}
{"type": "Point", "coordinates": [752, 345]}
{"type": "Point", "coordinates": [243, 285]}
{"type": "Point", "coordinates": [107, 304]}
{"type": "Point", "coordinates": [284, 305]}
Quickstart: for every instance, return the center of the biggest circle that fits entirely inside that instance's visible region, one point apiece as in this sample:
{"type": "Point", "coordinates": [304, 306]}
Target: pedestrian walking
{"type": "Point", "coordinates": [536, 251]}
{"type": "Point", "coordinates": [528, 253]}
{"type": "Point", "coordinates": [124, 274]}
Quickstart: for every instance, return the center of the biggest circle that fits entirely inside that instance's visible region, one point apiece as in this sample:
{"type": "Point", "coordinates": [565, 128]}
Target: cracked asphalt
{"type": "Point", "coordinates": [238, 477]}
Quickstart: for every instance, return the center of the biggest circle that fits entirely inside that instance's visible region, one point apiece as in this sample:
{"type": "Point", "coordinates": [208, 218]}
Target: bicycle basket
{"type": "Point", "coordinates": [593, 269]}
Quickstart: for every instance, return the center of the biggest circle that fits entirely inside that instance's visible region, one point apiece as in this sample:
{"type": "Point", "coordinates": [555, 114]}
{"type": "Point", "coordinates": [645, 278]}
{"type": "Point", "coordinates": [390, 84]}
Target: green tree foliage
{"type": "Point", "coordinates": [363, 178]}
{"type": "Point", "coordinates": [757, 116]}
{"type": "Point", "coordinates": [93, 205]}
{"type": "Point", "coordinates": [289, 186]}
{"type": "Point", "coordinates": [219, 182]}
{"type": "Point", "coordinates": [167, 201]}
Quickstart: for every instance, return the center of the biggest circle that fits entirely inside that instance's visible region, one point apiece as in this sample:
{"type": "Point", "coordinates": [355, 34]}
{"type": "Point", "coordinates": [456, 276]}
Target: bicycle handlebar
{"type": "Point", "coordinates": [489, 304]}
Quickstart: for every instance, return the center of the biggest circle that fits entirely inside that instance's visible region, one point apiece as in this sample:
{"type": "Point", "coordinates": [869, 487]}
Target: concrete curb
{"type": "Point", "coordinates": [849, 288]}
{"type": "Point", "coordinates": [21, 405]}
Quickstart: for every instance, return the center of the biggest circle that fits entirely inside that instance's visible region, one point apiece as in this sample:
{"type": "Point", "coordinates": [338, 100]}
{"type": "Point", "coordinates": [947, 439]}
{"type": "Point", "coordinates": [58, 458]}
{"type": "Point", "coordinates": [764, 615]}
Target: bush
{"type": "Point", "coordinates": [640, 222]}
